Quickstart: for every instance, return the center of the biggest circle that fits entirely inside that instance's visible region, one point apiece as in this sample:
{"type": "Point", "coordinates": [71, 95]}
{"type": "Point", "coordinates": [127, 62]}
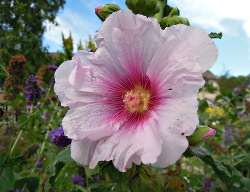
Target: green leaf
{"type": "Point", "coordinates": [224, 171]}
{"type": "Point", "coordinates": [90, 172]}
{"type": "Point", "coordinates": [30, 183]}
{"type": "Point", "coordinates": [246, 182]}
{"type": "Point", "coordinates": [6, 178]}
{"type": "Point", "coordinates": [54, 169]}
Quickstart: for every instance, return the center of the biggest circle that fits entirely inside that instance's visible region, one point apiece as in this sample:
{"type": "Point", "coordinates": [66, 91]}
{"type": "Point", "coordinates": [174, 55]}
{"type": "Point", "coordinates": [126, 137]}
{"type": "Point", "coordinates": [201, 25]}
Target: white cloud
{"type": "Point", "coordinates": [212, 14]}
{"type": "Point", "coordinates": [91, 4]}
{"type": "Point", "coordinates": [70, 21]}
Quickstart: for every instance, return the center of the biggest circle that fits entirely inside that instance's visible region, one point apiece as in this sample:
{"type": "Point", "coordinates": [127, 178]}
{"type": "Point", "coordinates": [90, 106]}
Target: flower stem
{"type": "Point", "coordinates": [40, 153]}
{"type": "Point", "coordinates": [159, 15]}
{"type": "Point", "coordinates": [4, 69]}
{"type": "Point", "coordinates": [19, 135]}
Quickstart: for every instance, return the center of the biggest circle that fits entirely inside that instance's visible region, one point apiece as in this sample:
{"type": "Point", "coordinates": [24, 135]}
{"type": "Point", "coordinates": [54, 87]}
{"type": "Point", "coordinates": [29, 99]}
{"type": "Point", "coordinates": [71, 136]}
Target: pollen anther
{"type": "Point", "coordinates": [136, 99]}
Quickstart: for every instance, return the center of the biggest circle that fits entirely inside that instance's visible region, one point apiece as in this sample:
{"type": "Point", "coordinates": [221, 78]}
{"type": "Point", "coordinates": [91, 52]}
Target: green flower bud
{"type": "Point", "coordinates": [146, 180]}
{"type": "Point", "coordinates": [104, 11]}
{"type": "Point", "coordinates": [143, 7]}
{"type": "Point", "coordinates": [111, 174]}
{"type": "Point", "coordinates": [169, 21]}
{"type": "Point", "coordinates": [175, 182]}
{"type": "Point", "coordinates": [171, 11]}
{"type": "Point", "coordinates": [200, 135]}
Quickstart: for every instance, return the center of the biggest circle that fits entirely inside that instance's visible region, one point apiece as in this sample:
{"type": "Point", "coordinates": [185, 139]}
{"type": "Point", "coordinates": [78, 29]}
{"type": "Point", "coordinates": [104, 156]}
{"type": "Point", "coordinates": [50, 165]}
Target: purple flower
{"type": "Point", "coordinates": [207, 185]}
{"type": "Point", "coordinates": [32, 90]}
{"type": "Point", "coordinates": [224, 102]}
{"type": "Point", "coordinates": [237, 90]}
{"type": "Point", "coordinates": [46, 115]}
{"type": "Point", "coordinates": [97, 178]}
{"type": "Point", "coordinates": [240, 114]}
{"type": "Point", "coordinates": [39, 164]}
{"type": "Point", "coordinates": [52, 67]}
{"type": "Point", "coordinates": [58, 138]}
{"type": "Point", "coordinates": [228, 136]}
{"type": "Point", "coordinates": [76, 179]}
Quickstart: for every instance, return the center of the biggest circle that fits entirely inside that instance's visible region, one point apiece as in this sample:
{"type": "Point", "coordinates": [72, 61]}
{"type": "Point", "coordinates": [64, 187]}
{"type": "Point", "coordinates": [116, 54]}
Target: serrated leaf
{"type": "Point", "coordinates": [54, 169]}
{"type": "Point", "coordinates": [224, 171]}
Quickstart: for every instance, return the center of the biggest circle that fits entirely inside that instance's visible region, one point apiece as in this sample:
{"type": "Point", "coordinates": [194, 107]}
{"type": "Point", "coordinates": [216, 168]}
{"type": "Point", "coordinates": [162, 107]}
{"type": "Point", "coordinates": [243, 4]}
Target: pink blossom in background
{"type": "Point", "coordinates": [134, 100]}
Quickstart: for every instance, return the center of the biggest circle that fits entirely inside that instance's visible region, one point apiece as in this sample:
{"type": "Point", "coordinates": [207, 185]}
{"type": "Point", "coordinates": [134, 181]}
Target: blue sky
{"type": "Point", "coordinates": [213, 16]}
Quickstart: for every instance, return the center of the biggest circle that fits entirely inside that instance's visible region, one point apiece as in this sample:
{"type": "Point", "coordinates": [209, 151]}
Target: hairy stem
{"type": "Point", "coordinates": [159, 15]}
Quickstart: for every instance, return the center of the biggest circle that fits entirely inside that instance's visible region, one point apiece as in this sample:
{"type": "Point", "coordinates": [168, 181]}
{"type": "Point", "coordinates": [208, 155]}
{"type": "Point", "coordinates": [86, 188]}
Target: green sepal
{"type": "Point", "coordinates": [107, 10]}
{"type": "Point", "coordinates": [144, 7]}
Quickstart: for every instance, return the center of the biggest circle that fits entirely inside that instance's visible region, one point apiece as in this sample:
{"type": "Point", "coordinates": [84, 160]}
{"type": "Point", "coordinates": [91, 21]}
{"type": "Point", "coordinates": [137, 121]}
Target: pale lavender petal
{"type": "Point", "coordinates": [130, 145]}
{"type": "Point", "coordinates": [128, 43]}
{"type": "Point", "coordinates": [87, 150]}
{"type": "Point", "coordinates": [93, 121]}
{"type": "Point", "coordinates": [199, 40]}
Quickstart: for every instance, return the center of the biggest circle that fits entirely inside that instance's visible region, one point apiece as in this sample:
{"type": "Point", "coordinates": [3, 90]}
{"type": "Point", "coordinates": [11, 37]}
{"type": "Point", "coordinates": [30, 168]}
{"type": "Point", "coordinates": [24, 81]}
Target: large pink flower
{"type": "Point", "coordinates": [135, 99]}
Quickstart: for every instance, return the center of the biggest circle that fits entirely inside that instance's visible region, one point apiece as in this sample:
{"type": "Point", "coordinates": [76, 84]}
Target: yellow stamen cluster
{"type": "Point", "coordinates": [136, 99]}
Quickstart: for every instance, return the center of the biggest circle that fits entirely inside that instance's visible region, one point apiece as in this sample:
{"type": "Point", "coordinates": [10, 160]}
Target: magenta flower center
{"type": "Point", "coordinates": [136, 99]}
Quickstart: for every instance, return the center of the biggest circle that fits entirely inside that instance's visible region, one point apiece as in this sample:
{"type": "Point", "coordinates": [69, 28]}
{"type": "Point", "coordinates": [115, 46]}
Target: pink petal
{"type": "Point", "coordinates": [210, 133]}
{"type": "Point", "coordinates": [94, 121]}
{"type": "Point", "coordinates": [177, 120]}
{"type": "Point", "coordinates": [87, 151]}
{"type": "Point", "coordinates": [67, 93]}
{"type": "Point", "coordinates": [136, 145]}
{"type": "Point", "coordinates": [200, 42]}
{"type": "Point", "coordinates": [127, 44]}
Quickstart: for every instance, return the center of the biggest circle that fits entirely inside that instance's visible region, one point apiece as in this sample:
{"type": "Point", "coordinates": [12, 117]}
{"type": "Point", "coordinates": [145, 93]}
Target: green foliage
{"type": "Point", "coordinates": [22, 27]}
{"type": "Point", "coordinates": [171, 17]}
{"type": "Point", "coordinates": [30, 183]}
{"type": "Point", "coordinates": [216, 35]}
{"type": "Point", "coordinates": [143, 7]}
{"type": "Point", "coordinates": [68, 46]}
{"type": "Point", "coordinates": [54, 168]}
{"type": "Point", "coordinates": [6, 178]}
{"type": "Point", "coordinates": [227, 83]}
{"type": "Point", "coordinates": [223, 170]}
{"type": "Point", "coordinates": [80, 46]}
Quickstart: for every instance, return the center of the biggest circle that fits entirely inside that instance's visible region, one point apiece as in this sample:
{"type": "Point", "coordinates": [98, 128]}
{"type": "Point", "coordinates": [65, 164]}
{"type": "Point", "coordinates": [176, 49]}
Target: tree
{"type": "Point", "coordinates": [68, 46]}
{"type": "Point", "coordinates": [22, 27]}
{"type": "Point", "coordinates": [227, 83]}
